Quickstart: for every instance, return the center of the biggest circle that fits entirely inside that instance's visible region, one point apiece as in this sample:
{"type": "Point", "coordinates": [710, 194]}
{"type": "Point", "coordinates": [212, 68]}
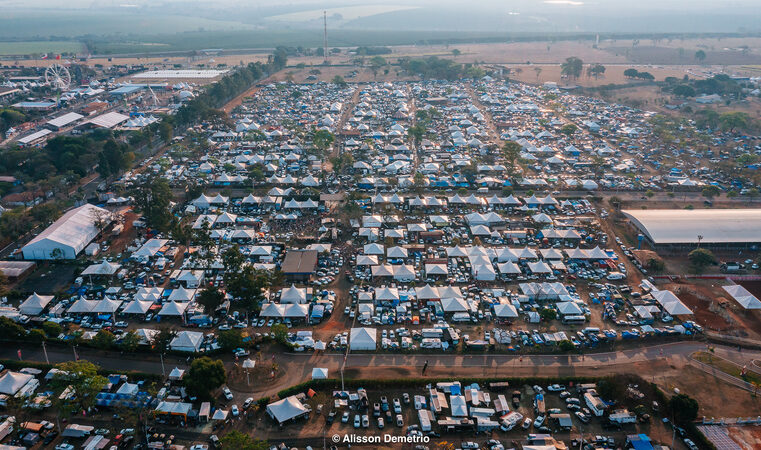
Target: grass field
{"type": "Point", "coordinates": [727, 367]}
{"type": "Point", "coordinates": [25, 24]}
{"type": "Point", "coordinates": [29, 47]}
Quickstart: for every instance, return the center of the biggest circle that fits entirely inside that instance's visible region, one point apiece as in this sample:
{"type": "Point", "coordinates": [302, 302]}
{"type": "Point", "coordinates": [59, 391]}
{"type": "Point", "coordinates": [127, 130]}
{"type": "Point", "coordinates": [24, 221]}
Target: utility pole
{"type": "Point", "coordinates": [163, 372]}
{"type": "Point", "coordinates": [45, 351]}
{"type": "Point", "coordinates": [325, 37]}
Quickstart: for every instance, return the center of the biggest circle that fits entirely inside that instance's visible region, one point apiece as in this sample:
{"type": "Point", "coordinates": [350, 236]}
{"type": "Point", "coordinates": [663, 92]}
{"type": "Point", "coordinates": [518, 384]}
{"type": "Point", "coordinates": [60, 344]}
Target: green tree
{"type": "Point", "coordinates": [416, 133]}
{"type": "Point", "coordinates": [615, 202]}
{"type": "Point", "coordinates": [52, 329]}
{"type": "Point", "coordinates": [572, 67]}
{"type": "Point", "coordinates": [569, 129]}
{"type": "Point", "coordinates": [230, 339]}
{"type": "Point", "coordinates": [162, 340]}
{"type": "Point", "coordinates": [36, 335]}
{"type": "Point", "coordinates": [235, 440]}
{"type": "Point", "coordinates": [548, 314]}
{"type": "Point", "coordinates": [700, 258]}
{"type": "Point", "coordinates": [129, 342]}
{"type": "Point", "coordinates": [10, 329]}
{"type": "Point", "coordinates": [166, 131]}
{"type": "Point", "coordinates": [210, 298]}
{"type": "Point", "coordinates": [700, 55]}
{"type": "Point", "coordinates": [280, 332]}
{"type": "Point", "coordinates": [711, 191]}
{"type": "Point", "coordinates": [631, 73]}
{"type": "Point", "coordinates": [684, 90]}
{"type": "Point", "coordinates": [456, 52]}
{"type": "Point", "coordinates": [322, 140]}
{"type": "Point", "coordinates": [730, 121]}
{"type": "Point", "coordinates": [339, 80]}
{"type": "Point", "coordinates": [153, 199]}
{"type": "Point", "coordinates": [83, 383]}
{"type": "Point", "coordinates": [204, 376]}
{"type": "Point", "coordinates": [683, 408]}
{"type": "Point", "coordinates": [655, 265]}
{"type": "Point", "coordinates": [595, 70]}
{"type": "Point", "coordinates": [566, 346]}
{"type": "Point", "coordinates": [376, 62]}
{"type": "Point", "coordinates": [104, 339]}
{"type": "Point", "coordinates": [511, 151]}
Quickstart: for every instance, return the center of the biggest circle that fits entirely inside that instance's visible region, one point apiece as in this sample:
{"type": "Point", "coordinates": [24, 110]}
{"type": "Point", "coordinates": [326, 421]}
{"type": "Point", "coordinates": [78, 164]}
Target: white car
{"type": "Point", "coordinates": [228, 394]}
{"type": "Point", "coordinates": [235, 411]}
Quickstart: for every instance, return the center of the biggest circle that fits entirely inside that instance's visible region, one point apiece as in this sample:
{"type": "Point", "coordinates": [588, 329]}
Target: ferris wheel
{"type": "Point", "coordinates": [58, 76]}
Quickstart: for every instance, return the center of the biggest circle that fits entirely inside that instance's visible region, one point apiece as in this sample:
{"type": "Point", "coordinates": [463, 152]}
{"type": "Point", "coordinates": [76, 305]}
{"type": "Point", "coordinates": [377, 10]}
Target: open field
{"type": "Point", "coordinates": [716, 397]}
{"type": "Point", "coordinates": [727, 367]}
{"type": "Point", "coordinates": [16, 24]}
{"type": "Point", "coordinates": [27, 47]}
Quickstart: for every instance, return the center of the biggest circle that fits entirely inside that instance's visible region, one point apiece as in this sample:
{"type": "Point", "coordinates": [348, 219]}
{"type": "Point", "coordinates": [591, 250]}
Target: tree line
{"type": "Point", "coordinates": [205, 105]}
{"type": "Point", "coordinates": [434, 67]}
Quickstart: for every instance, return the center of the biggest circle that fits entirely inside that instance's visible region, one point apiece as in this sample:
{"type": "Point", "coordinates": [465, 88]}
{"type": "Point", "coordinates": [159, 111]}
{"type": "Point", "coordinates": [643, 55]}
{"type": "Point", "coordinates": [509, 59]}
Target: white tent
{"type": "Point", "coordinates": [287, 409]}
{"type": "Point", "coordinates": [293, 295]}
{"type": "Point", "coordinates": [35, 304]}
{"type": "Point", "coordinates": [319, 373]}
{"type": "Point", "coordinates": [107, 306]}
{"type": "Point", "coordinates": [363, 339]}
{"type": "Point", "coordinates": [505, 310]}
{"type": "Point", "coordinates": [137, 307]}
{"type": "Point", "coordinates": [67, 236]}
{"type": "Point", "coordinates": [103, 268]}
{"type": "Point", "coordinates": [219, 414]}
{"type": "Point", "coordinates": [181, 294]}
{"type": "Point", "coordinates": [458, 406]}
{"type": "Point", "coordinates": [741, 295]}
{"type": "Point", "coordinates": [176, 374]}
{"type": "Point", "coordinates": [173, 309]}
{"type": "Point", "coordinates": [569, 309]}
{"type": "Point", "coordinates": [386, 293]}
{"type": "Point", "coordinates": [187, 341]}
{"type": "Point", "coordinates": [16, 383]}
{"type": "Point", "coordinates": [452, 305]}
{"type": "Point", "coordinates": [82, 306]}
{"type": "Point", "coordinates": [671, 303]}
{"type": "Point", "coordinates": [427, 292]}
{"type": "Point", "coordinates": [509, 268]}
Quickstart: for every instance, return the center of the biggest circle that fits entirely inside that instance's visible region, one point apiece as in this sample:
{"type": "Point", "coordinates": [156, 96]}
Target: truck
{"type": "Point", "coordinates": [539, 404]}
{"type": "Point", "coordinates": [730, 267]}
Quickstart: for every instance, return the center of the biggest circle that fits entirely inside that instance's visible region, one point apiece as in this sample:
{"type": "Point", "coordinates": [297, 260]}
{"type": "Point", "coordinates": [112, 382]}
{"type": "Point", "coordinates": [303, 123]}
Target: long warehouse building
{"type": "Point", "coordinates": [728, 228]}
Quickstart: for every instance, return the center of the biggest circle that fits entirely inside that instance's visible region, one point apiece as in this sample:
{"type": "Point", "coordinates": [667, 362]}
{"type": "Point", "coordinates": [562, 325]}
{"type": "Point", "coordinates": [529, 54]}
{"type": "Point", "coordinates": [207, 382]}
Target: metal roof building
{"type": "Point", "coordinates": [718, 227]}
{"type": "Point", "coordinates": [64, 120]}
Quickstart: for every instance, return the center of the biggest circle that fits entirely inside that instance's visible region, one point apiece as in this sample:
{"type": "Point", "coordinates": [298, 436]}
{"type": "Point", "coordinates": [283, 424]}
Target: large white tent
{"type": "Point", "coordinates": [187, 341]}
{"type": "Point", "coordinates": [104, 268]}
{"type": "Point", "coordinates": [671, 303]}
{"type": "Point", "coordinates": [35, 304]}
{"type": "Point", "coordinates": [289, 408]}
{"type": "Point", "coordinates": [67, 236]}
{"type": "Point", "coordinates": [743, 296]}
{"type": "Point", "coordinates": [363, 339]}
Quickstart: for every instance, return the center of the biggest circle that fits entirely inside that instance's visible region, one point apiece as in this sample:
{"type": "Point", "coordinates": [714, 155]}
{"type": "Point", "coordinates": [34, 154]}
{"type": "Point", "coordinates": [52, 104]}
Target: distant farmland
{"type": "Point", "coordinates": [39, 47]}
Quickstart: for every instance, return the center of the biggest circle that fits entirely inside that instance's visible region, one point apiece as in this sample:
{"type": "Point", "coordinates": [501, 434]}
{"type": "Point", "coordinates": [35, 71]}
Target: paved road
{"type": "Point", "coordinates": [298, 366]}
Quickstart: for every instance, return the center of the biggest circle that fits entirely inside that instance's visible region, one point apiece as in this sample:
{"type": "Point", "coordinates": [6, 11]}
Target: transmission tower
{"type": "Point", "coordinates": [325, 37]}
